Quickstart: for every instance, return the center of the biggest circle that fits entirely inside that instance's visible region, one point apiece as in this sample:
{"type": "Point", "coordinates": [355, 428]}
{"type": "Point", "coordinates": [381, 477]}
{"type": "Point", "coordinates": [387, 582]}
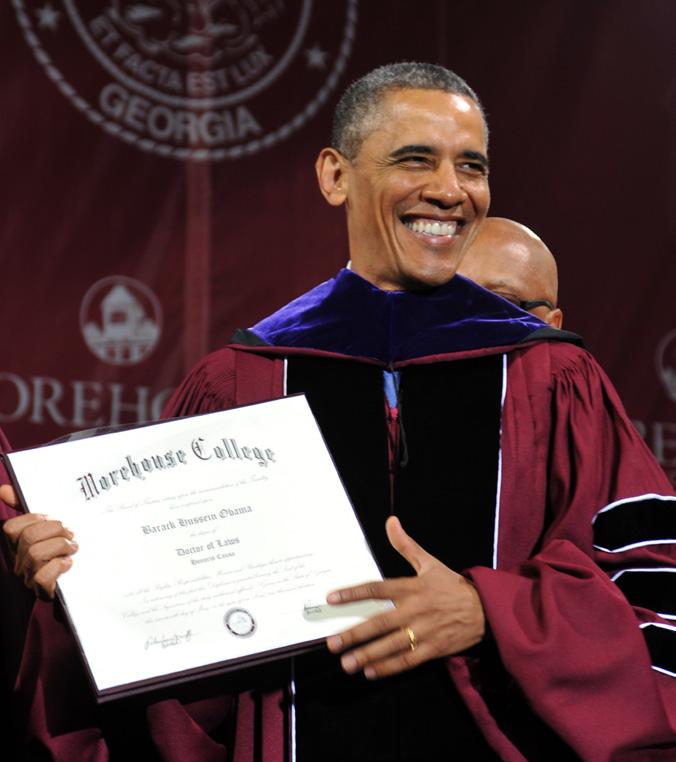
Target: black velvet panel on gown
{"type": "Point", "coordinates": [445, 498]}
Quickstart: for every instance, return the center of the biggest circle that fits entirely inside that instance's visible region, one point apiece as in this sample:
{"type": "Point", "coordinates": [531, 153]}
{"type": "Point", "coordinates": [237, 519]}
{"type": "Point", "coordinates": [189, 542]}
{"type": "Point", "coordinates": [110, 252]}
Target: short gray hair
{"type": "Point", "coordinates": [356, 107]}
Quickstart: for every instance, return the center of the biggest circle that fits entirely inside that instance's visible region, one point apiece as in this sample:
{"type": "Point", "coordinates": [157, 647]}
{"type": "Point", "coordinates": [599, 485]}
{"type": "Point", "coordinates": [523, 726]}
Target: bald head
{"type": "Point", "coordinates": [512, 261]}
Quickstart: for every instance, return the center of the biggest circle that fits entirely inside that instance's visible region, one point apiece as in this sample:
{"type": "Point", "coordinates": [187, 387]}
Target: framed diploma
{"type": "Point", "coordinates": [207, 543]}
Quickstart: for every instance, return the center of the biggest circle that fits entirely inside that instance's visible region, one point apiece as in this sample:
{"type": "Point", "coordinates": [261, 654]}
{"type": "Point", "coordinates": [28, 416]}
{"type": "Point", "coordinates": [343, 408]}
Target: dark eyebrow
{"type": "Point", "coordinates": [398, 152]}
{"type": "Point", "coordinates": [428, 150]}
{"type": "Point", "coordinates": [476, 156]}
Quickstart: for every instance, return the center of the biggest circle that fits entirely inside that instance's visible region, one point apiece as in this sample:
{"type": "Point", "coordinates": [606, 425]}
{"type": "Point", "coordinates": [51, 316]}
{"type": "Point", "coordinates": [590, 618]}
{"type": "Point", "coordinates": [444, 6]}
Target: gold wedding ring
{"type": "Point", "coordinates": [412, 640]}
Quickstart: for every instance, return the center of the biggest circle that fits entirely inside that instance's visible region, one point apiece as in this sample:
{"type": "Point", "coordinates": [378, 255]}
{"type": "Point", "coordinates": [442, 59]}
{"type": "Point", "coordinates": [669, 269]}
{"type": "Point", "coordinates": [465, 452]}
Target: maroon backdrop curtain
{"type": "Point", "coordinates": [158, 187]}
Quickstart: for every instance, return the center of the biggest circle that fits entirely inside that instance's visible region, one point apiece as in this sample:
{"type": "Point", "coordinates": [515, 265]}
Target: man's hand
{"type": "Point", "coordinates": [437, 613]}
{"type": "Point", "coordinates": [7, 494]}
{"type": "Point", "coordinates": [43, 547]}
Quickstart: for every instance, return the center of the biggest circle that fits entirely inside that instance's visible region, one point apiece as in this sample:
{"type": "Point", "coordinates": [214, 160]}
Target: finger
{"type": "Point", "coordinates": [36, 533]}
{"type": "Point", "coordinates": [45, 529]}
{"type": "Point", "coordinates": [44, 581]}
{"type": "Point", "coordinates": [387, 589]}
{"type": "Point", "coordinates": [7, 494]}
{"type": "Point", "coordinates": [15, 526]}
{"type": "Point", "coordinates": [393, 644]}
{"type": "Point", "coordinates": [406, 546]}
{"type": "Point", "coordinates": [401, 662]}
{"type": "Point", "coordinates": [40, 553]}
{"type": "Point", "coordinates": [380, 624]}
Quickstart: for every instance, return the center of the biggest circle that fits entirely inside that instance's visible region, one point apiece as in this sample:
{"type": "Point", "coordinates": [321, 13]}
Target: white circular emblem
{"type": "Point", "coordinates": [197, 79]}
{"type": "Point", "coordinates": [240, 622]}
{"type": "Point", "coordinates": [120, 320]}
{"type": "Point", "coordinates": [665, 363]}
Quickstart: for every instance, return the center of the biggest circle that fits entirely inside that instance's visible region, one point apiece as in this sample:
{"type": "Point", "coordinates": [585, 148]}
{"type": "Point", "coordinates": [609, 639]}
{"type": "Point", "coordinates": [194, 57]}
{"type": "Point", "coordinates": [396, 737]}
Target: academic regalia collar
{"type": "Point", "coordinates": [348, 315]}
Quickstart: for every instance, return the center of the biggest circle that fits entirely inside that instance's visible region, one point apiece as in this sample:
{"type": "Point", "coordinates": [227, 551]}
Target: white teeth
{"type": "Point", "coordinates": [433, 228]}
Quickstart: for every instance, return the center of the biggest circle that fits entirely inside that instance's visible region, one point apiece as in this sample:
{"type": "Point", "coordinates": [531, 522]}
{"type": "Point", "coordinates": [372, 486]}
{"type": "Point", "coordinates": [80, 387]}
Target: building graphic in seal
{"type": "Point", "coordinates": [115, 322]}
{"type": "Point", "coordinates": [193, 79]}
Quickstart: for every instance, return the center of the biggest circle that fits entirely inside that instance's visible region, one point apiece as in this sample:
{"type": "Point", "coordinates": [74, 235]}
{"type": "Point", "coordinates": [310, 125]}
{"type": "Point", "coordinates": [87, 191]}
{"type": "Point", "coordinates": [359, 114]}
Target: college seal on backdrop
{"type": "Point", "coordinates": [665, 363]}
{"type": "Point", "coordinates": [120, 320]}
{"type": "Point", "coordinates": [198, 79]}
{"type": "Point", "coordinates": [240, 622]}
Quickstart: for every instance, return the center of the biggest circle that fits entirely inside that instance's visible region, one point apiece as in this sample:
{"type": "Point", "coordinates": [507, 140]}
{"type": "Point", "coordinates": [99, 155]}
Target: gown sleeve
{"type": "Point", "coordinates": [210, 386]}
{"type": "Point", "coordinates": [227, 378]}
{"type": "Point", "coordinates": [585, 625]}
{"type": "Point", "coordinates": [6, 511]}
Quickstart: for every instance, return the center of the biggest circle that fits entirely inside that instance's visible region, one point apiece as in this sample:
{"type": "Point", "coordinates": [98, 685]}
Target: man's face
{"type": "Point", "coordinates": [417, 190]}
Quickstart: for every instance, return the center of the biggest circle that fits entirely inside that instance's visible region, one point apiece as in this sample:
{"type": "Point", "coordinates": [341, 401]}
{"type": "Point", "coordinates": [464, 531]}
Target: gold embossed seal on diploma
{"type": "Point", "coordinates": [202, 540]}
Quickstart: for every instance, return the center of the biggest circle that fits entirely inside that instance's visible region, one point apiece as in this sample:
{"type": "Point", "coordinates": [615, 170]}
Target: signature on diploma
{"type": "Point", "coordinates": [169, 640]}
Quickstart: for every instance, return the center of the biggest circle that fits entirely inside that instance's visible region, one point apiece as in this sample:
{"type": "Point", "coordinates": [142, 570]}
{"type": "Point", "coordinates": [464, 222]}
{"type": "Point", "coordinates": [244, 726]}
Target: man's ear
{"type": "Point", "coordinates": [332, 176]}
{"type": "Point", "coordinates": [554, 318]}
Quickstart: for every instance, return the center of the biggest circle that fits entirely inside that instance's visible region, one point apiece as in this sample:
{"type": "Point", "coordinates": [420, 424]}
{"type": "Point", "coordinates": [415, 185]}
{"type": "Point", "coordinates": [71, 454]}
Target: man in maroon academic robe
{"type": "Point", "coordinates": [500, 445]}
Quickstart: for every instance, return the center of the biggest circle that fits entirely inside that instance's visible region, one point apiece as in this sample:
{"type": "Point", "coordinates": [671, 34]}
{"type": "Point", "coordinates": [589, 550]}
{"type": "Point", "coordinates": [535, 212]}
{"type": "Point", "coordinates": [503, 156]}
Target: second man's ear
{"type": "Point", "coordinates": [554, 318]}
{"type": "Point", "coordinates": [332, 176]}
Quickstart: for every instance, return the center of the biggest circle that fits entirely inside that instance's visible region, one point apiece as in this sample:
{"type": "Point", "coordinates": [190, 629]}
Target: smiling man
{"type": "Point", "coordinates": [499, 446]}
{"type": "Point", "coordinates": [415, 187]}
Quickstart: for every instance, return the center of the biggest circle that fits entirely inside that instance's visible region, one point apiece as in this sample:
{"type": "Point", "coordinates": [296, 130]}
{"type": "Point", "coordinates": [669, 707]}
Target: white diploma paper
{"type": "Point", "coordinates": [205, 542]}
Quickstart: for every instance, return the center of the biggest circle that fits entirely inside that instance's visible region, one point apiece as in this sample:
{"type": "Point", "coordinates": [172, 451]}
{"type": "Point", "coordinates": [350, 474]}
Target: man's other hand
{"type": "Point", "coordinates": [7, 494]}
{"type": "Point", "coordinates": [437, 613]}
{"type": "Point", "coordinates": [42, 547]}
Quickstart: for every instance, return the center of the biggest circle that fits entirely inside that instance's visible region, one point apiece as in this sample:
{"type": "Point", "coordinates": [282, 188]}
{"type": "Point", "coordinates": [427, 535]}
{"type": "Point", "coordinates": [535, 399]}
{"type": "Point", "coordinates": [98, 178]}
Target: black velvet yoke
{"type": "Point", "coordinates": [445, 497]}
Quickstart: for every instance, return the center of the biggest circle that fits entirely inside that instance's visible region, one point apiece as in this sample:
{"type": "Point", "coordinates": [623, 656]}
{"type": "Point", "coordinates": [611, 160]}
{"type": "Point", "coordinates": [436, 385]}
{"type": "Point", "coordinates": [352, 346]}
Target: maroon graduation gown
{"type": "Point", "coordinates": [565, 632]}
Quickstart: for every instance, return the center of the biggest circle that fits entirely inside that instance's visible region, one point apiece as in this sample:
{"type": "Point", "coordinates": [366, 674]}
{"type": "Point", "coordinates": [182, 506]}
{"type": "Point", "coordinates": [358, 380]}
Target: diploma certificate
{"type": "Point", "coordinates": [206, 543]}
